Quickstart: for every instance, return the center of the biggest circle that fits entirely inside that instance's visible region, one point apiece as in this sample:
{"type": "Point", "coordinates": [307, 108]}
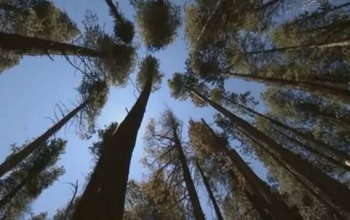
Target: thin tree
{"type": "Point", "coordinates": [94, 96]}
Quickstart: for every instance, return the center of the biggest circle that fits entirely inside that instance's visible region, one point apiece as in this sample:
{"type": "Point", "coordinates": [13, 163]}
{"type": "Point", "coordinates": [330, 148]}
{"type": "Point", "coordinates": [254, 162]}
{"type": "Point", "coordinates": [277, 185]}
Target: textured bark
{"type": "Point", "coordinates": [35, 46]}
{"type": "Point", "coordinates": [15, 159]}
{"type": "Point", "coordinates": [197, 209]}
{"type": "Point", "coordinates": [339, 193]}
{"type": "Point", "coordinates": [104, 196]}
{"type": "Point", "coordinates": [210, 192]}
{"type": "Point", "coordinates": [303, 85]}
{"type": "Point", "coordinates": [343, 43]}
{"type": "Point", "coordinates": [274, 203]}
{"type": "Point", "coordinates": [311, 143]}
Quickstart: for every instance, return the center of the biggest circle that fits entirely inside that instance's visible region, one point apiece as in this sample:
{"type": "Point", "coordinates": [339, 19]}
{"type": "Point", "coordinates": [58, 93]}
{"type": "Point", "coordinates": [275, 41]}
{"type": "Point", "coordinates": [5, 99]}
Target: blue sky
{"type": "Point", "coordinates": [30, 92]}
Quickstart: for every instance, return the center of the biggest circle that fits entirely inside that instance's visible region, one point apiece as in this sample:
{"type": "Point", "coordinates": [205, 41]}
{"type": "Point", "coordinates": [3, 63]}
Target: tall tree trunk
{"type": "Point", "coordinates": [339, 193]}
{"type": "Point", "coordinates": [315, 145]}
{"type": "Point", "coordinates": [104, 196]}
{"type": "Point", "coordinates": [275, 205]}
{"type": "Point", "coordinates": [257, 201]}
{"type": "Point", "coordinates": [16, 158]}
{"type": "Point", "coordinates": [303, 85]}
{"type": "Point", "coordinates": [197, 209]}
{"type": "Point", "coordinates": [210, 192]}
{"type": "Point", "coordinates": [114, 11]}
{"type": "Point", "coordinates": [35, 46]}
{"type": "Point", "coordinates": [344, 43]}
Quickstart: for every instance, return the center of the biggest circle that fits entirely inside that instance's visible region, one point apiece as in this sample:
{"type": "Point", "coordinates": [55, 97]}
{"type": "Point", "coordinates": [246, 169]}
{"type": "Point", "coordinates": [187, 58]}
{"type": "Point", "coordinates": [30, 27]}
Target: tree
{"type": "Point", "coordinates": [202, 134]}
{"type": "Point", "coordinates": [94, 95]}
{"type": "Point", "coordinates": [158, 21]}
{"type": "Point", "coordinates": [30, 178]}
{"type": "Point", "coordinates": [302, 167]}
{"type": "Point", "coordinates": [210, 192]}
{"type": "Point", "coordinates": [123, 28]}
{"type": "Point", "coordinates": [36, 19]}
{"type": "Point", "coordinates": [104, 195]}
{"type": "Point", "coordinates": [169, 132]}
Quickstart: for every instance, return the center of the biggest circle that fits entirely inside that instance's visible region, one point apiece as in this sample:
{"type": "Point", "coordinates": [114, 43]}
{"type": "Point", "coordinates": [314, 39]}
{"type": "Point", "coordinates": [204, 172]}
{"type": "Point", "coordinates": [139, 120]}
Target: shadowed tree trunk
{"type": "Point", "coordinates": [197, 210]}
{"type": "Point", "coordinates": [277, 208]}
{"type": "Point", "coordinates": [343, 43]}
{"type": "Point", "coordinates": [316, 146]}
{"type": "Point", "coordinates": [303, 85]}
{"type": "Point", "coordinates": [339, 193]}
{"type": "Point", "coordinates": [104, 196]}
{"type": "Point", "coordinates": [16, 158]}
{"type": "Point", "coordinates": [210, 192]}
{"type": "Point", "coordinates": [35, 46]}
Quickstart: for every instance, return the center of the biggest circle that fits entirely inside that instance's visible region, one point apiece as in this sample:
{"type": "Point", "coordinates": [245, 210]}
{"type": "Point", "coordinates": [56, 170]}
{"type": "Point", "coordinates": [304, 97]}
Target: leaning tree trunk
{"type": "Point", "coordinates": [15, 159]}
{"type": "Point", "coordinates": [197, 209]}
{"type": "Point", "coordinates": [343, 43]}
{"type": "Point", "coordinates": [339, 193]}
{"type": "Point", "coordinates": [114, 11]}
{"type": "Point", "coordinates": [210, 192]}
{"type": "Point", "coordinates": [315, 146]}
{"type": "Point", "coordinates": [277, 208]}
{"type": "Point", "coordinates": [303, 85]}
{"type": "Point", "coordinates": [36, 46]}
{"type": "Point", "coordinates": [104, 196]}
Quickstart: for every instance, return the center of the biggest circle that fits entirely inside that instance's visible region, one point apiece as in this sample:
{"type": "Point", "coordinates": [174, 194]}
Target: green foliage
{"type": "Point", "coordinates": [95, 92]}
{"type": "Point", "coordinates": [30, 178]}
{"type": "Point", "coordinates": [149, 65]}
{"type": "Point", "coordinates": [158, 21]}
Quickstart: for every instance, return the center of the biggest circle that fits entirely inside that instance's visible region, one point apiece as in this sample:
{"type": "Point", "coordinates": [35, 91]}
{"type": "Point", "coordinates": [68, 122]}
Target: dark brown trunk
{"type": "Point", "coordinates": [316, 146]}
{"type": "Point", "coordinates": [258, 203]}
{"type": "Point", "coordinates": [303, 85]}
{"type": "Point", "coordinates": [210, 193]}
{"type": "Point", "coordinates": [114, 11]}
{"type": "Point", "coordinates": [104, 196]}
{"type": "Point", "coordinates": [197, 209]}
{"type": "Point", "coordinates": [343, 43]}
{"type": "Point", "coordinates": [16, 158]}
{"type": "Point", "coordinates": [35, 46]}
{"type": "Point", "coordinates": [318, 195]}
{"type": "Point", "coordinates": [339, 193]}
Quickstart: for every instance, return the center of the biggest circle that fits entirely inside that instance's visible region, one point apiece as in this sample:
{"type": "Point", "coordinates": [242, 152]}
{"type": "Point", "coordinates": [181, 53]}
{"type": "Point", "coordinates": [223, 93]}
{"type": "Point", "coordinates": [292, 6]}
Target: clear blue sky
{"type": "Point", "coordinates": [30, 91]}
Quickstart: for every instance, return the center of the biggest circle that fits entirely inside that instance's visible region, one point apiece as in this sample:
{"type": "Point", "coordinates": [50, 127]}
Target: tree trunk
{"type": "Point", "coordinates": [104, 196]}
{"type": "Point", "coordinates": [303, 85]}
{"type": "Point", "coordinates": [114, 11]}
{"type": "Point", "coordinates": [15, 159]}
{"type": "Point", "coordinates": [275, 205]}
{"type": "Point", "coordinates": [210, 192]}
{"type": "Point", "coordinates": [35, 46]}
{"type": "Point", "coordinates": [258, 203]}
{"type": "Point", "coordinates": [197, 210]}
{"type": "Point", "coordinates": [339, 193]}
{"type": "Point", "coordinates": [315, 146]}
{"type": "Point", "coordinates": [343, 43]}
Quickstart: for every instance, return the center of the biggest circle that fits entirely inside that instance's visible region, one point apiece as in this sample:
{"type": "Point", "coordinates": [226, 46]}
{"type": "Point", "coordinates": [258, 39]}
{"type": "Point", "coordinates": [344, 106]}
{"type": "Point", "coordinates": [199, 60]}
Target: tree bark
{"type": "Point", "coordinates": [339, 193]}
{"type": "Point", "coordinates": [104, 196]}
{"type": "Point", "coordinates": [210, 192]}
{"type": "Point", "coordinates": [343, 43]}
{"type": "Point", "coordinates": [315, 145]}
{"type": "Point", "coordinates": [275, 205]}
{"type": "Point", "coordinates": [16, 158]}
{"type": "Point", "coordinates": [303, 85]}
{"type": "Point", "coordinates": [197, 210]}
{"type": "Point", "coordinates": [35, 46]}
